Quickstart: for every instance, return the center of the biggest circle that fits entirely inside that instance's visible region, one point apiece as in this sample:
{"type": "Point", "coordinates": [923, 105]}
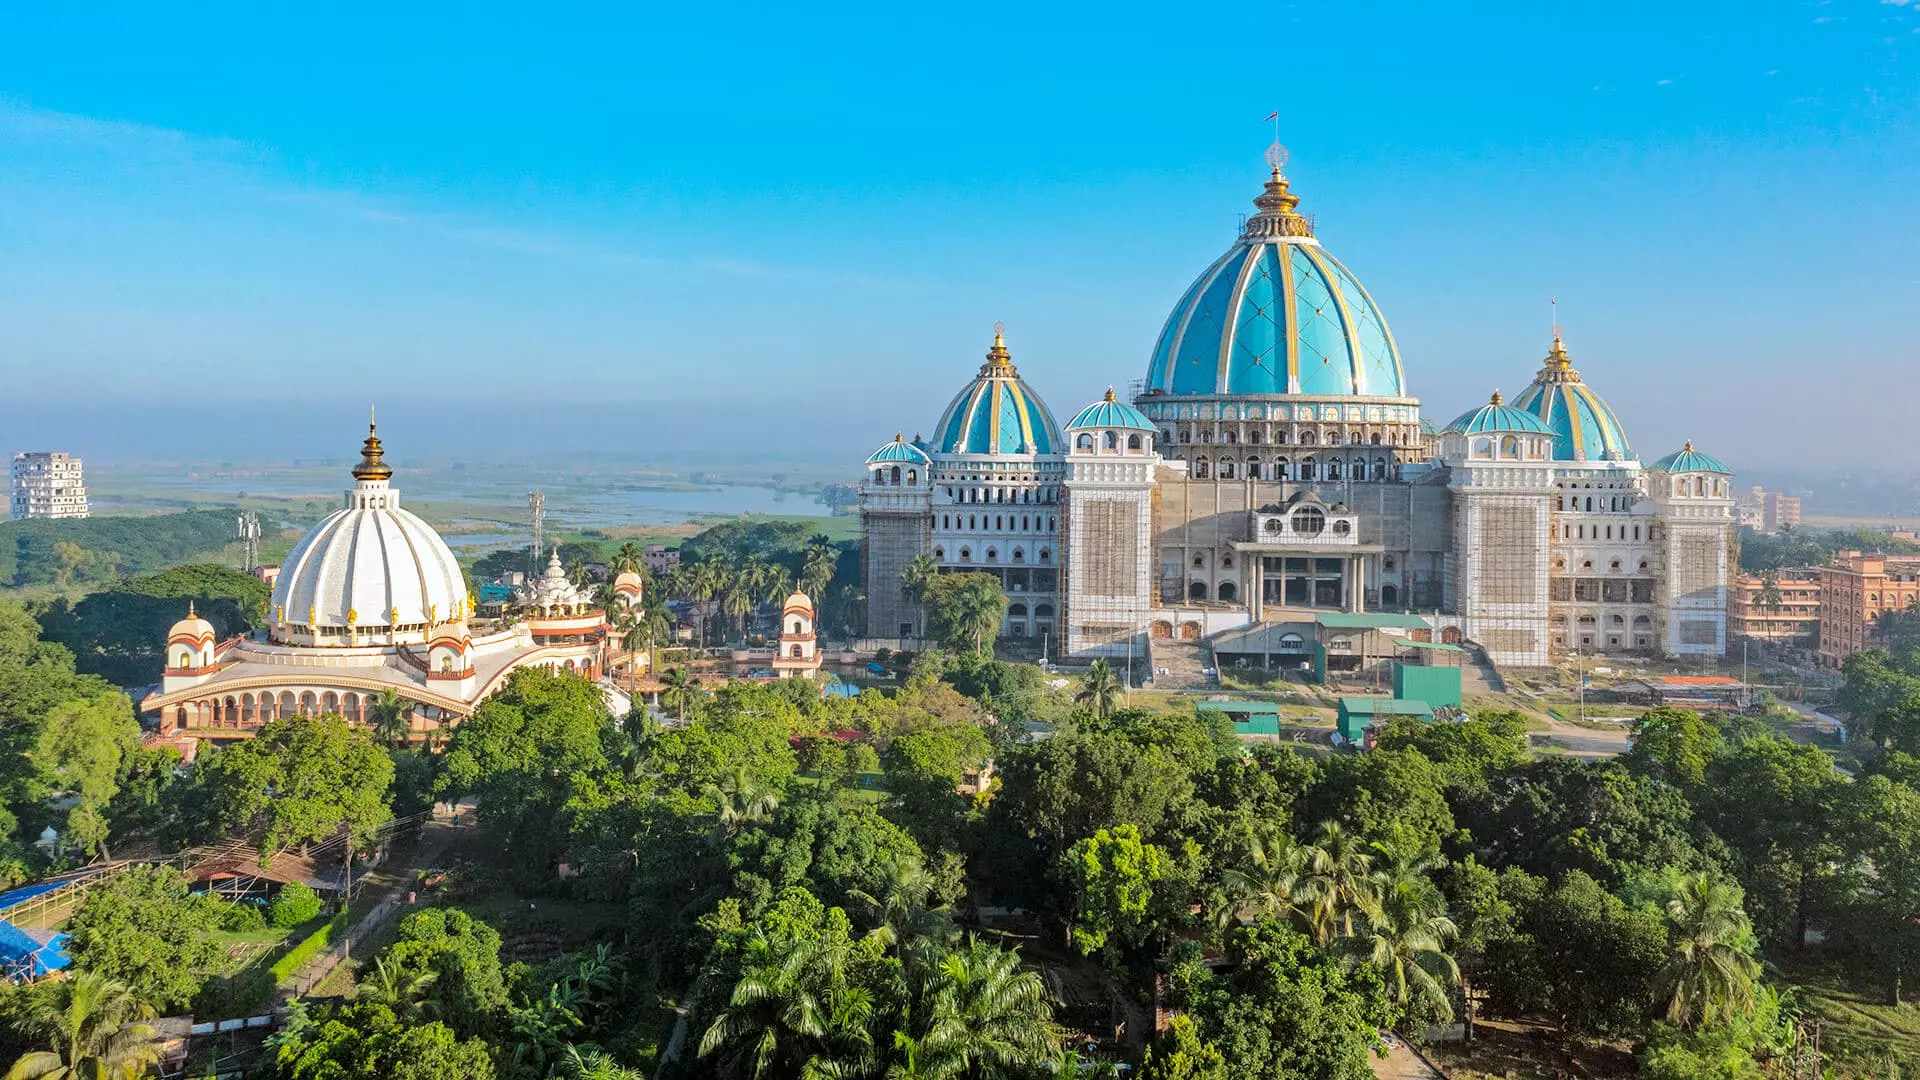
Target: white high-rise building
{"type": "Point", "coordinates": [47, 485]}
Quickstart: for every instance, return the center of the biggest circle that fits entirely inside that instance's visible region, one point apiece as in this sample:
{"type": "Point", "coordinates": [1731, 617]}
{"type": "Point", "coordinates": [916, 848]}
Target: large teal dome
{"type": "Point", "coordinates": [1277, 314]}
{"type": "Point", "coordinates": [997, 414]}
{"type": "Point", "coordinates": [1584, 428]}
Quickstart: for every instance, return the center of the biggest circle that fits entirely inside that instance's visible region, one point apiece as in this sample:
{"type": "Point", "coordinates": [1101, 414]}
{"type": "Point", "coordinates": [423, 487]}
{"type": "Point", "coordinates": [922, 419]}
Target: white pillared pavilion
{"type": "Point", "coordinates": [372, 600]}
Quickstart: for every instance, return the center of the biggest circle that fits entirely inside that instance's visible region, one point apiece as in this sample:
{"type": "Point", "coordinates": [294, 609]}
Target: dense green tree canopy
{"type": "Point", "coordinates": [143, 928]}
{"type": "Point", "coordinates": [299, 780]}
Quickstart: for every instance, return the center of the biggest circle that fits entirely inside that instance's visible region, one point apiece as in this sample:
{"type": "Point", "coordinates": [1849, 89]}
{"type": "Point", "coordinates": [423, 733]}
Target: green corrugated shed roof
{"type": "Point", "coordinates": [1253, 708]}
{"type": "Point", "coordinates": [1381, 706]}
{"type": "Point", "coordinates": [1436, 646]}
{"type": "Point", "coordinates": [1384, 620]}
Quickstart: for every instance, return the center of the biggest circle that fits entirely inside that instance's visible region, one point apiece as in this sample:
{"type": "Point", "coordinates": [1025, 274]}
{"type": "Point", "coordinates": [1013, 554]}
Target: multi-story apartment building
{"type": "Point", "coordinates": [1778, 511]}
{"type": "Point", "coordinates": [1782, 608]}
{"type": "Point", "coordinates": [1855, 589]}
{"type": "Point", "coordinates": [47, 485]}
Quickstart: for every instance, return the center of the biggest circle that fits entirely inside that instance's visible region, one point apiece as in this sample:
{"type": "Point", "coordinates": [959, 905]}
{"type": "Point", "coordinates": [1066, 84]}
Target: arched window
{"type": "Point", "coordinates": [1200, 468]}
{"type": "Point", "coordinates": [1308, 469]}
{"type": "Point", "coordinates": [1333, 469]}
{"type": "Point", "coordinates": [1197, 591]}
{"type": "Point", "coordinates": [1019, 555]}
{"type": "Point", "coordinates": [913, 476]}
{"type": "Point", "coordinates": [1226, 561]}
{"type": "Point", "coordinates": [1375, 439]}
{"type": "Point", "coordinates": [1083, 441]}
{"type": "Point", "coordinates": [1017, 611]}
{"type": "Point", "coordinates": [1309, 521]}
{"type": "Point", "coordinates": [1111, 440]}
{"type": "Point", "coordinates": [1342, 528]}
{"type": "Point", "coordinates": [1233, 436]}
{"type": "Point", "coordinates": [1226, 470]}
{"type": "Point", "coordinates": [895, 474]}
{"type": "Point", "coordinates": [940, 554]}
{"type": "Point", "coordinates": [1306, 438]}
{"type": "Point", "coordinates": [993, 555]}
{"type": "Point", "coordinates": [1614, 566]}
{"type": "Point", "coordinates": [1379, 468]}
{"type": "Point", "coordinates": [1228, 591]}
{"type": "Point", "coordinates": [1133, 442]}
{"type": "Point", "coordinates": [1199, 561]}
{"type": "Point", "coordinates": [1389, 595]}
{"type": "Point", "coordinates": [1483, 448]}
{"type": "Point", "coordinates": [1509, 446]}
{"type": "Point", "coordinates": [966, 554]}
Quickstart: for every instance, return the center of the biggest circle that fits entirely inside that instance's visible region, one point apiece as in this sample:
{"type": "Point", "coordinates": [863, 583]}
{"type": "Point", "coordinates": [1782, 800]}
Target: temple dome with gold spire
{"type": "Point", "coordinates": [1276, 315]}
{"type": "Point", "coordinates": [1584, 428]}
{"type": "Point", "coordinates": [370, 572]}
{"type": "Point", "coordinates": [997, 413]}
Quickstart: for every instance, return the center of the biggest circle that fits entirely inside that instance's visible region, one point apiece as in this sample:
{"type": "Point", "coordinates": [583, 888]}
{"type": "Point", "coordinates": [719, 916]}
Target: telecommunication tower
{"type": "Point", "coordinates": [537, 502]}
{"type": "Point", "coordinates": [249, 535]}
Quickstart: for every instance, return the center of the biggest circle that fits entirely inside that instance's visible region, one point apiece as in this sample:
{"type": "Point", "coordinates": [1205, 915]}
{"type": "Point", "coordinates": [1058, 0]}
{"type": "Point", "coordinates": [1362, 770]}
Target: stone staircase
{"type": "Point", "coordinates": [1183, 664]}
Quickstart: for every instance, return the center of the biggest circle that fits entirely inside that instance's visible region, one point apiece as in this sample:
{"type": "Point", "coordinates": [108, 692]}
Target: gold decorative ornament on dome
{"type": "Point", "coordinates": [353, 616]}
{"type": "Point", "coordinates": [1495, 399]}
{"type": "Point", "coordinates": [1110, 396]}
{"type": "Point", "coordinates": [371, 466]}
{"type": "Point", "coordinates": [313, 615]}
{"type": "Point", "coordinates": [999, 360]}
{"type": "Point", "coordinates": [1277, 207]}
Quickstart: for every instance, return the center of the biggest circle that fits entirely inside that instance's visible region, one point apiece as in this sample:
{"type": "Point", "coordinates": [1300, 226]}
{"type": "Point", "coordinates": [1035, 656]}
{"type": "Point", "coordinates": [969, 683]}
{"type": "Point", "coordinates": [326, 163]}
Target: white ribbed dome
{"type": "Point", "coordinates": [370, 567]}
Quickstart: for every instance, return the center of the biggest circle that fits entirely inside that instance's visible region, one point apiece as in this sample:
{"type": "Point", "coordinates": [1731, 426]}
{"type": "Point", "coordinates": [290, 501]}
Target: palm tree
{"type": "Point", "coordinates": [705, 581]}
{"type": "Point", "coordinates": [629, 557]}
{"type": "Point", "coordinates": [737, 602]}
{"type": "Point", "coordinates": [914, 579]}
{"type": "Point", "coordinates": [795, 1011]}
{"type": "Point", "coordinates": [1099, 689]}
{"type": "Point", "coordinates": [577, 572]}
{"type": "Point", "coordinates": [740, 800]}
{"type": "Point", "coordinates": [1404, 932]}
{"type": "Point", "coordinates": [816, 566]}
{"type": "Point", "coordinates": [904, 919]}
{"type": "Point", "coordinates": [1768, 597]}
{"type": "Point", "coordinates": [1337, 883]}
{"type": "Point", "coordinates": [680, 691]}
{"type": "Point", "coordinates": [592, 1064]}
{"type": "Point", "coordinates": [405, 994]}
{"type": "Point", "coordinates": [96, 1028]}
{"type": "Point", "coordinates": [1271, 880]}
{"type": "Point", "coordinates": [389, 716]}
{"type": "Point", "coordinates": [993, 1016]}
{"type": "Point", "coordinates": [1709, 978]}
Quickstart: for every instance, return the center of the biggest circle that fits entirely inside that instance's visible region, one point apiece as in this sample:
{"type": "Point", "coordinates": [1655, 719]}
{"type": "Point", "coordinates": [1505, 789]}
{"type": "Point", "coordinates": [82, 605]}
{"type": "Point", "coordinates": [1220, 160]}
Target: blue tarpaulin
{"type": "Point", "coordinates": [26, 956]}
{"type": "Point", "coordinates": [16, 897]}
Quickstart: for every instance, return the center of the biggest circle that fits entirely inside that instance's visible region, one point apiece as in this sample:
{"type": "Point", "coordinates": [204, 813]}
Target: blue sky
{"type": "Point", "coordinates": [563, 228]}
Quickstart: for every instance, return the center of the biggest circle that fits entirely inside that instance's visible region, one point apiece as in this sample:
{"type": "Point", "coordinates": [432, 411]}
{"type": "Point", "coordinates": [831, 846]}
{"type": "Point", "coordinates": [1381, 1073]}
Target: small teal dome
{"type": "Point", "coordinates": [1495, 416]}
{"type": "Point", "coordinates": [898, 452]}
{"type": "Point", "coordinates": [1276, 315]}
{"type": "Point", "coordinates": [1583, 427]}
{"type": "Point", "coordinates": [1687, 459]}
{"type": "Point", "coordinates": [997, 413]}
{"type": "Point", "coordinates": [1110, 412]}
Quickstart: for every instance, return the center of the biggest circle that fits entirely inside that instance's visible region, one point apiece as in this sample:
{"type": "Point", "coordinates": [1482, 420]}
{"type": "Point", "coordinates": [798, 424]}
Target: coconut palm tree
{"type": "Point", "coordinates": [629, 557]}
{"type": "Point", "coordinates": [389, 716]}
{"type": "Point", "coordinates": [704, 582]}
{"type": "Point", "coordinates": [816, 566]}
{"type": "Point", "coordinates": [95, 1027]}
{"type": "Point", "coordinates": [993, 1016]}
{"type": "Point", "coordinates": [1709, 978]}
{"type": "Point", "coordinates": [1272, 879]}
{"type": "Point", "coordinates": [741, 800]}
{"type": "Point", "coordinates": [680, 691]}
{"type": "Point", "coordinates": [795, 1011]}
{"type": "Point", "coordinates": [1099, 690]}
{"type": "Point", "coordinates": [914, 579]}
{"type": "Point", "coordinates": [1404, 932]}
{"type": "Point", "coordinates": [1338, 884]}
{"type": "Point", "coordinates": [736, 601]}
{"type": "Point", "coordinates": [905, 920]}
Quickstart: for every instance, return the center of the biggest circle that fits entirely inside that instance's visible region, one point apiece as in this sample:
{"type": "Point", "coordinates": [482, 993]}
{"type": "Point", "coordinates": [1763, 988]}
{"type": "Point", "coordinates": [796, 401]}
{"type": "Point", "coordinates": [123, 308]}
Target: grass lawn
{"type": "Point", "coordinates": [1859, 1032]}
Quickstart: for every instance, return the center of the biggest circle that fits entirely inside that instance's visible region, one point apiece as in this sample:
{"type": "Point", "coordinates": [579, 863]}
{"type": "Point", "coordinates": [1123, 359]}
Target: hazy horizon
{"type": "Point", "coordinates": [644, 235]}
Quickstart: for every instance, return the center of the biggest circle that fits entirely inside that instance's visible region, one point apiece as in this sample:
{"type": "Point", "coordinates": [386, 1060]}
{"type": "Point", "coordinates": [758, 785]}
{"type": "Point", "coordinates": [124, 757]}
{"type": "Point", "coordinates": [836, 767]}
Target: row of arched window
{"type": "Point", "coordinates": [1285, 437]}
{"type": "Point", "coordinates": [1017, 557]}
{"type": "Point", "coordinates": [1282, 469]}
{"type": "Point", "coordinates": [1109, 442]}
{"type": "Point", "coordinates": [886, 477]}
{"type": "Point", "coordinates": [1000, 522]}
{"type": "Point", "coordinates": [1042, 495]}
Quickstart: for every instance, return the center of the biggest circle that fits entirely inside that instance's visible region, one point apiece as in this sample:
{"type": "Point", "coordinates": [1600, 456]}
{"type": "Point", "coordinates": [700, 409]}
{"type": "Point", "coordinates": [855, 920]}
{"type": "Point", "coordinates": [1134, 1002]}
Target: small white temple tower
{"type": "Point", "coordinates": [799, 654]}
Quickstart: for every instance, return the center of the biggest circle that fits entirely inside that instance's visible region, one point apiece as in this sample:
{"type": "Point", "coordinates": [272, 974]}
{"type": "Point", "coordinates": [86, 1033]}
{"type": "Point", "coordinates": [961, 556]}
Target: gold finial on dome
{"type": "Point", "coordinates": [1110, 396]}
{"type": "Point", "coordinates": [999, 360]}
{"type": "Point", "coordinates": [1278, 212]}
{"type": "Point", "coordinates": [899, 436]}
{"type": "Point", "coordinates": [191, 615]}
{"type": "Point", "coordinates": [1687, 448]}
{"type": "Point", "coordinates": [1495, 399]}
{"type": "Point", "coordinates": [371, 467]}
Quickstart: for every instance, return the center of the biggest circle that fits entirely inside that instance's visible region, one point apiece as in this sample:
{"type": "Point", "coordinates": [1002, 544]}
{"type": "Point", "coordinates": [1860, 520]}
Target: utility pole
{"type": "Point", "coordinates": [537, 503]}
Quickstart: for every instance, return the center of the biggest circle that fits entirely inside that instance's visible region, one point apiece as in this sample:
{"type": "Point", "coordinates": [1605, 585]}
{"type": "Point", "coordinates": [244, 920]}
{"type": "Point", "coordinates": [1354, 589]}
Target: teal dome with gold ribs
{"type": "Point", "coordinates": [1584, 427]}
{"type": "Point", "coordinates": [1277, 315]}
{"type": "Point", "coordinates": [997, 413]}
